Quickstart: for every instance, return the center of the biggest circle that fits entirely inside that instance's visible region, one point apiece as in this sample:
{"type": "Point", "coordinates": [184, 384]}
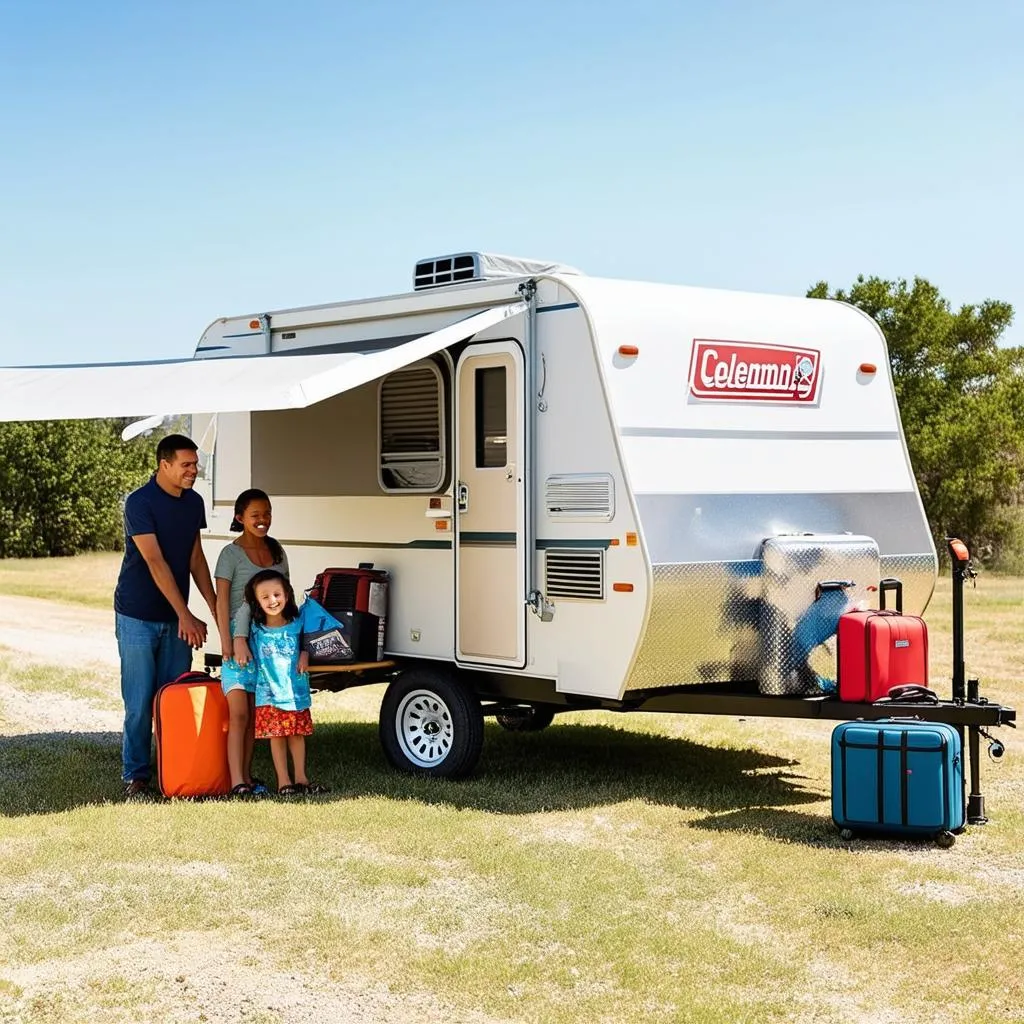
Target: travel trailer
{"type": "Point", "coordinates": [573, 484]}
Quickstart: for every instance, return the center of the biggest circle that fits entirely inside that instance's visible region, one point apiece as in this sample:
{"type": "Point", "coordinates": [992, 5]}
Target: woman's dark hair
{"type": "Point", "coordinates": [291, 609]}
{"type": "Point", "coordinates": [242, 502]}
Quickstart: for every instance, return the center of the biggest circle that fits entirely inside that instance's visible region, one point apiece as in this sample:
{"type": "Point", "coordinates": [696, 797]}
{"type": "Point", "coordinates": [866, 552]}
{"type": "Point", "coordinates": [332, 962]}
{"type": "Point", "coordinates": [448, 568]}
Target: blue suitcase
{"type": "Point", "coordinates": [898, 778]}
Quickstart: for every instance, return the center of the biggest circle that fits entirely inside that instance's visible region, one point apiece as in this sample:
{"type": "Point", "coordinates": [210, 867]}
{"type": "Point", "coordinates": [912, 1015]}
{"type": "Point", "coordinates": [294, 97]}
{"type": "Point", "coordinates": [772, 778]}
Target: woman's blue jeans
{"type": "Point", "coordinates": [151, 654]}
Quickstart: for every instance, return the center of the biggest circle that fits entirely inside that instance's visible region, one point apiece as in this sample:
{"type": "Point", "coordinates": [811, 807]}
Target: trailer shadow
{"type": "Point", "coordinates": [785, 826]}
{"type": "Point", "coordinates": [563, 768]}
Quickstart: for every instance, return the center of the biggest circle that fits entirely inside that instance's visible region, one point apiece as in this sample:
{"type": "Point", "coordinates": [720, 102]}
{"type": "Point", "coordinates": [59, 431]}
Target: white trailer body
{"type": "Point", "coordinates": [568, 478]}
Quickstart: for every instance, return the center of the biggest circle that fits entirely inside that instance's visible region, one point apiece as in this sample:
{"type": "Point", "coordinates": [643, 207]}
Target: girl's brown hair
{"type": "Point", "coordinates": [291, 609]}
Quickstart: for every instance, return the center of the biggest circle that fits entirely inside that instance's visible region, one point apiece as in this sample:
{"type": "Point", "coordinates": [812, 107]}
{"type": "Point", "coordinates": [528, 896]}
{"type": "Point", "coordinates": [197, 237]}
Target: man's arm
{"type": "Point", "coordinates": [224, 616]}
{"type": "Point", "coordinates": [190, 629]}
{"type": "Point", "coordinates": [200, 570]}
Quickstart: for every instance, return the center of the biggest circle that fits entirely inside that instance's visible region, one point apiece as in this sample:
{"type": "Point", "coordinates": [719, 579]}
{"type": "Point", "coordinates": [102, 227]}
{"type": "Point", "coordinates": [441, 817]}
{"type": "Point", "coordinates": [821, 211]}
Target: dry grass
{"type": "Point", "coordinates": [84, 579]}
{"type": "Point", "coordinates": [611, 868]}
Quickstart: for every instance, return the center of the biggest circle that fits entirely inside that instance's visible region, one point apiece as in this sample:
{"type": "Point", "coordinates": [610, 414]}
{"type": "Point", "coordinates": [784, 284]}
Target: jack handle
{"type": "Point", "coordinates": [961, 559]}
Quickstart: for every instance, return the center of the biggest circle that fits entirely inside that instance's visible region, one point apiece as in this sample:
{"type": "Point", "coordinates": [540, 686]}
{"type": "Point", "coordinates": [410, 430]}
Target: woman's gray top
{"type": "Point", "coordinates": [233, 564]}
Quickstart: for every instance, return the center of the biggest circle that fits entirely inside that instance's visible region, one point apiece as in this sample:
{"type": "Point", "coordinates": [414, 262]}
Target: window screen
{"type": "Point", "coordinates": [411, 429]}
{"type": "Point", "coordinates": [491, 418]}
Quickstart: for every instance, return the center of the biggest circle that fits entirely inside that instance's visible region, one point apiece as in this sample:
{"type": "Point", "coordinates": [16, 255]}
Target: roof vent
{"type": "Point", "coordinates": [479, 266]}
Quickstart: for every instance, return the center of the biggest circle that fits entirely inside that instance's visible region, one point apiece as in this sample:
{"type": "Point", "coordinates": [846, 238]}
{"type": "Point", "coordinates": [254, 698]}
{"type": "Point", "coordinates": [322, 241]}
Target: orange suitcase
{"type": "Point", "coordinates": [191, 718]}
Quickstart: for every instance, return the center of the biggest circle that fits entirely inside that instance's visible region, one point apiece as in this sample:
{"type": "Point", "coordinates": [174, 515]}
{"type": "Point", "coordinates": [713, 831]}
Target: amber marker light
{"type": "Point", "coordinates": [868, 368]}
{"type": "Point", "coordinates": [614, 542]}
{"type": "Point", "coordinates": [254, 325]}
{"type": "Point", "coordinates": [622, 588]}
{"type": "Point", "coordinates": [628, 350]}
{"type": "Point", "coordinates": [631, 540]}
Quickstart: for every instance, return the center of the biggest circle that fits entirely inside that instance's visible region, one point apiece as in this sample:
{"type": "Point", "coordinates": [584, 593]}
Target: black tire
{"type": "Point", "coordinates": [846, 834]}
{"type": "Point", "coordinates": [431, 724]}
{"type": "Point", "coordinates": [945, 840]}
{"type": "Point", "coordinates": [529, 718]}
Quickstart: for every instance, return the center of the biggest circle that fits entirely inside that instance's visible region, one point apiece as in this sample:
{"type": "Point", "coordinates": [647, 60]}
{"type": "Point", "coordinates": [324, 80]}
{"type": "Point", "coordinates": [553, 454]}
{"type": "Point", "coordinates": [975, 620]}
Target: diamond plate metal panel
{"type": "Point", "coordinates": [918, 574]}
{"type": "Point", "coordinates": [794, 623]}
{"type": "Point", "coordinates": [706, 619]}
{"type": "Point", "coordinates": [702, 627]}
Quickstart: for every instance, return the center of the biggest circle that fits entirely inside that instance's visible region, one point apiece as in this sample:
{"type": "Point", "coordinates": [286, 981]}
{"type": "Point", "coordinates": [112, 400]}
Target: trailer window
{"type": "Point", "coordinates": [491, 418]}
{"type": "Point", "coordinates": [411, 404]}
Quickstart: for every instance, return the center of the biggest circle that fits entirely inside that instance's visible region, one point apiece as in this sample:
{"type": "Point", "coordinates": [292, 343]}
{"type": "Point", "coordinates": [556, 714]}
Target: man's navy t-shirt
{"type": "Point", "coordinates": [175, 522]}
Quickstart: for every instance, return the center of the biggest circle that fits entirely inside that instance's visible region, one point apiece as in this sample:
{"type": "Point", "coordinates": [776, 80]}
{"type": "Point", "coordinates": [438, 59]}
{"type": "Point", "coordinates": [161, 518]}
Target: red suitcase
{"type": "Point", "coordinates": [879, 650]}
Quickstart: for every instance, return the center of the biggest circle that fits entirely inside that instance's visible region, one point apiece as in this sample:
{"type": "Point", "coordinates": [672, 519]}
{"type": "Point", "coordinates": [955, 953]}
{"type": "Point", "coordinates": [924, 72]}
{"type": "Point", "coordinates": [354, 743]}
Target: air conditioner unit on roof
{"type": "Point", "coordinates": [480, 266]}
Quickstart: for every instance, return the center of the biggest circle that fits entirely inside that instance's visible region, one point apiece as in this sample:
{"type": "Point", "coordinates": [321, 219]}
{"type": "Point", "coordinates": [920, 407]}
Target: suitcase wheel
{"type": "Point", "coordinates": [846, 834]}
{"type": "Point", "coordinates": [945, 840]}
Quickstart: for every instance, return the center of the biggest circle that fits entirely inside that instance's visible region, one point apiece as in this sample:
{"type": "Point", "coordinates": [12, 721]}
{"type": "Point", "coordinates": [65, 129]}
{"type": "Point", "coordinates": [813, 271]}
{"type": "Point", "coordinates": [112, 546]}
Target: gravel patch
{"type": "Point", "coordinates": [59, 634]}
{"type": "Point", "coordinates": [195, 977]}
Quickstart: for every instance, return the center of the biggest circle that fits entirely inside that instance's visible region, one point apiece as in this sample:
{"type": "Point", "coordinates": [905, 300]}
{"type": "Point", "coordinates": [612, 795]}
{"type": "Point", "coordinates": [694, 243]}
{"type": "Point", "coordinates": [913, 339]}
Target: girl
{"type": "Point", "coordinates": [282, 685]}
{"type": "Point", "coordinates": [237, 564]}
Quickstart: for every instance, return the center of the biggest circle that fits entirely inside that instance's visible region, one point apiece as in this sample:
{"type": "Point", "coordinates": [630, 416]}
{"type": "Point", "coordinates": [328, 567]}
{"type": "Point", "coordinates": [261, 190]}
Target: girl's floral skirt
{"type": "Point", "coordinates": [271, 722]}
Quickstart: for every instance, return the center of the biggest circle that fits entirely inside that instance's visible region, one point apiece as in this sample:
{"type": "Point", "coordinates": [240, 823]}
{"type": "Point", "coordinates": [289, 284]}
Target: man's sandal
{"type": "Point", "coordinates": [242, 790]}
{"type": "Point", "coordinates": [292, 790]}
{"type": "Point", "coordinates": [314, 788]}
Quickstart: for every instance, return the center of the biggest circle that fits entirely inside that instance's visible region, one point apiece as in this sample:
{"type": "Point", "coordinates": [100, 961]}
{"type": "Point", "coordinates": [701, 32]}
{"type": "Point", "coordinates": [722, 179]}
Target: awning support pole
{"type": "Point", "coordinates": [535, 599]}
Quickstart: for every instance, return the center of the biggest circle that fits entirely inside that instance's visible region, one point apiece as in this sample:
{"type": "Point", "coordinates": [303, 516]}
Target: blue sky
{"type": "Point", "coordinates": [166, 162]}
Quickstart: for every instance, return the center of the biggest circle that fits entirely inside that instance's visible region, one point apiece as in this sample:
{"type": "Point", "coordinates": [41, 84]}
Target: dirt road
{"type": "Point", "coordinates": [34, 631]}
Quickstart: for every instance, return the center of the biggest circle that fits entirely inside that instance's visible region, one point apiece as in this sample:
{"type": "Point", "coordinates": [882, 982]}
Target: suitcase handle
{"type": "Point", "coordinates": [909, 693]}
{"type": "Point", "coordinates": [890, 584]}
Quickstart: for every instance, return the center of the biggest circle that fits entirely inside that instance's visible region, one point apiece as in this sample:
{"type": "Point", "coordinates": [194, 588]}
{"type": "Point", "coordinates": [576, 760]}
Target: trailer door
{"type": "Point", "coordinates": [490, 503]}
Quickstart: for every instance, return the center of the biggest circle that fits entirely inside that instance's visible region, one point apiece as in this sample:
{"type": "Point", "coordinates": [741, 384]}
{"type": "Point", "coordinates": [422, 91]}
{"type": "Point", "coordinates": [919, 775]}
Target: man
{"type": "Point", "coordinates": [156, 632]}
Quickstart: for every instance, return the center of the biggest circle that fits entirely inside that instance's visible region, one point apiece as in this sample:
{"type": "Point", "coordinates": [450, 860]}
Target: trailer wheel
{"type": "Point", "coordinates": [945, 840]}
{"type": "Point", "coordinates": [846, 834]}
{"type": "Point", "coordinates": [431, 724]}
{"type": "Point", "coordinates": [529, 718]}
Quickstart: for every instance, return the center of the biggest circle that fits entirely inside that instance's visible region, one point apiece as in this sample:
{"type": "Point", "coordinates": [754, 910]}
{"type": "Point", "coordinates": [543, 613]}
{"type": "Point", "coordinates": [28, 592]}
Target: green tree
{"type": "Point", "coordinates": [62, 484]}
{"type": "Point", "coordinates": [961, 398]}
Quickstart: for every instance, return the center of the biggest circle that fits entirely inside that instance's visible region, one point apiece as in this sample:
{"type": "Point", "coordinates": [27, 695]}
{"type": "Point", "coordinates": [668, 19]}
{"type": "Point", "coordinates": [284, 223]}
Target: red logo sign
{"type": "Point", "coordinates": [737, 370]}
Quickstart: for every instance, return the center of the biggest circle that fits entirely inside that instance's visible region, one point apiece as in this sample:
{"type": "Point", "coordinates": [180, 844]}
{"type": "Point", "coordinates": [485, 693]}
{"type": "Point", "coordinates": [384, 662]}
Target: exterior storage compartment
{"type": "Point", "coordinates": [808, 581]}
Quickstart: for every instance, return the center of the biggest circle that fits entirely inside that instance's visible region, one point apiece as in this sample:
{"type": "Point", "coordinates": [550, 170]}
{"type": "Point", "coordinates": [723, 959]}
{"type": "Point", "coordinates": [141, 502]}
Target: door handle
{"type": "Point", "coordinates": [462, 497]}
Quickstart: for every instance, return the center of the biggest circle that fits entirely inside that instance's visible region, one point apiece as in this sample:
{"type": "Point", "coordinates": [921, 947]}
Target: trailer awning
{"type": "Point", "coordinates": [230, 384]}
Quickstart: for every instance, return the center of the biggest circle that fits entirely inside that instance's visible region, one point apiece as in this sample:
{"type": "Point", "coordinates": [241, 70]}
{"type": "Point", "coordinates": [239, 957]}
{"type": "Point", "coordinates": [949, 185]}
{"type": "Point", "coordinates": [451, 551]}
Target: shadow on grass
{"type": "Point", "coordinates": [565, 767]}
{"type": "Point", "coordinates": [775, 823]}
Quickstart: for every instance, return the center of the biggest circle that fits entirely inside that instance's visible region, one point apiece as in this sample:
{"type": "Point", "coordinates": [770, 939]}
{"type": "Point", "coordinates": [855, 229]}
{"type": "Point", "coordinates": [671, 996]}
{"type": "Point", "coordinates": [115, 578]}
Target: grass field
{"type": "Point", "coordinates": [611, 868]}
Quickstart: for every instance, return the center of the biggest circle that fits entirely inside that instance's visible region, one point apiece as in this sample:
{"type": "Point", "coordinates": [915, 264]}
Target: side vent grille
{"type": "Point", "coordinates": [446, 270]}
{"type": "Point", "coordinates": [578, 574]}
{"type": "Point", "coordinates": [580, 496]}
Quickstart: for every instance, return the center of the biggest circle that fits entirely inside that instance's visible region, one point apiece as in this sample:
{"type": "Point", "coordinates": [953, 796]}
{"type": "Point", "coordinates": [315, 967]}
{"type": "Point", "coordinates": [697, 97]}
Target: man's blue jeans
{"type": "Point", "coordinates": [151, 654]}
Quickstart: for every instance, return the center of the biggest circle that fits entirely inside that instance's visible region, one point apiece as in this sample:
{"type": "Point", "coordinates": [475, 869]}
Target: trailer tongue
{"type": "Point", "coordinates": [966, 709]}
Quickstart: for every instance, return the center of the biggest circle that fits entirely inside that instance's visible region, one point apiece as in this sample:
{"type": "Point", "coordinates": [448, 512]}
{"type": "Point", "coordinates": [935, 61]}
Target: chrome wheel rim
{"type": "Point", "coordinates": [425, 730]}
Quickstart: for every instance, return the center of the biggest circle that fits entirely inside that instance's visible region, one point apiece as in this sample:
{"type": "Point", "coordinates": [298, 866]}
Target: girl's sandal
{"type": "Point", "coordinates": [314, 789]}
{"type": "Point", "coordinates": [241, 791]}
{"type": "Point", "coordinates": [259, 788]}
{"type": "Point", "coordinates": [290, 791]}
